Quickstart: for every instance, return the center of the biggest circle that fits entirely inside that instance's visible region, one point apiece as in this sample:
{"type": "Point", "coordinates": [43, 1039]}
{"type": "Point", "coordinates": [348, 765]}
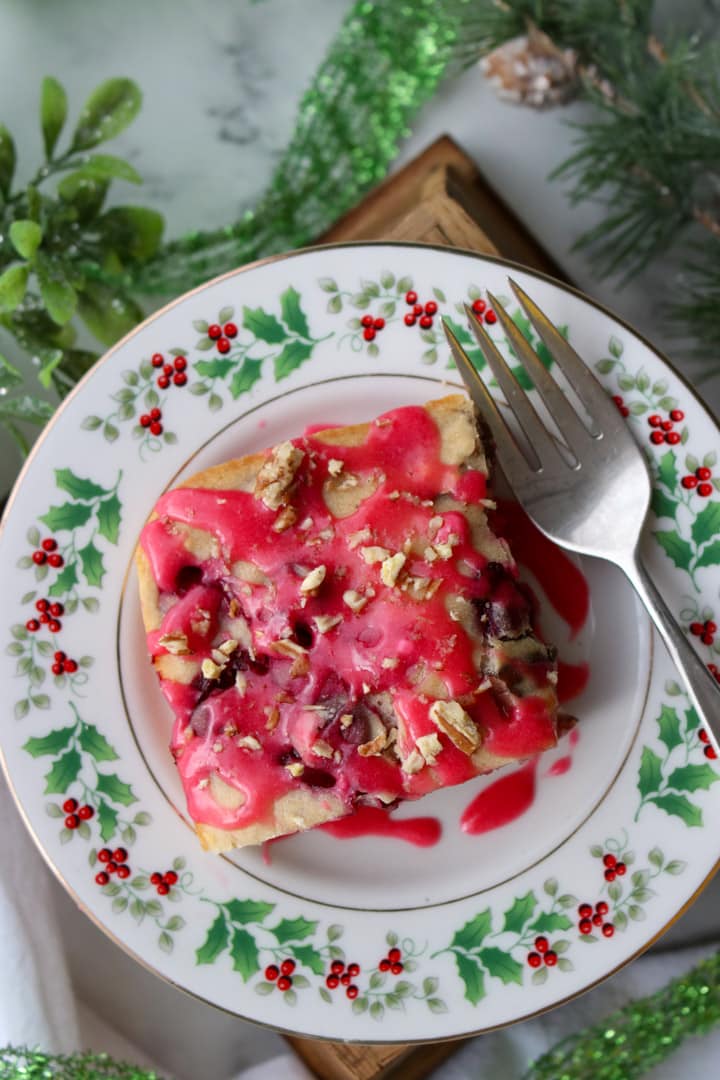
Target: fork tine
{"type": "Point", "coordinates": [513, 460]}
{"type": "Point", "coordinates": [562, 412]}
{"type": "Point", "coordinates": [606, 418]}
{"type": "Point", "coordinates": [531, 424]}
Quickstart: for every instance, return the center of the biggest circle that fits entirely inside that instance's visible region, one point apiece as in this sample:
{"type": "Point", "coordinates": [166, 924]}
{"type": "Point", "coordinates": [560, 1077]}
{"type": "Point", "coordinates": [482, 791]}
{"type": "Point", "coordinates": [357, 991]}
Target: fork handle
{"type": "Point", "coordinates": [702, 689]}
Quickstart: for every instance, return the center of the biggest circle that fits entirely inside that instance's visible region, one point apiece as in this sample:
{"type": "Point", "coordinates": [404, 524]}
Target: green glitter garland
{"type": "Point", "coordinates": [631, 1041]}
{"type": "Point", "coordinates": [624, 1046]}
{"type": "Point", "coordinates": [379, 70]}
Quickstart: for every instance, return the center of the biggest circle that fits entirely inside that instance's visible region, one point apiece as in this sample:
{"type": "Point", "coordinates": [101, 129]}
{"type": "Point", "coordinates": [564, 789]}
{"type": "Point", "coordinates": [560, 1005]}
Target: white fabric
{"type": "Point", "coordinates": [65, 987]}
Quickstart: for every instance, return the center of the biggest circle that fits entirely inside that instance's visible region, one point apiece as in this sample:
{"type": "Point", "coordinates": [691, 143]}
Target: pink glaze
{"type": "Point", "coordinates": [501, 802]}
{"type": "Point", "coordinates": [564, 584]}
{"type": "Point", "coordinates": [561, 766]}
{"type": "Point", "coordinates": [401, 454]}
{"type": "Point", "coordinates": [369, 821]}
{"type": "Point", "coordinates": [572, 680]}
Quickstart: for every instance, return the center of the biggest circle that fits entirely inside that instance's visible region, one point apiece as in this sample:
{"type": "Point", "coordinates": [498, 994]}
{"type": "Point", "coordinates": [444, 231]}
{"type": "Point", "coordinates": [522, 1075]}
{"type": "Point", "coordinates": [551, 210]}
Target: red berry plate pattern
{"type": "Point", "coordinates": [474, 907]}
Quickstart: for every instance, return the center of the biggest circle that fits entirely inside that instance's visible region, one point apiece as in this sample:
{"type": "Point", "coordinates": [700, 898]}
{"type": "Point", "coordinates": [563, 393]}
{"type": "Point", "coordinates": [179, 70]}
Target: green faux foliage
{"type": "Point", "coordinates": [51, 231]}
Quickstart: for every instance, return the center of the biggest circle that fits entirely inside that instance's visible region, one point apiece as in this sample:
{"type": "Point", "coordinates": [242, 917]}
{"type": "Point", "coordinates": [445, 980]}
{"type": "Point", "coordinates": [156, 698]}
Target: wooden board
{"type": "Point", "coordinates": [438, 198]}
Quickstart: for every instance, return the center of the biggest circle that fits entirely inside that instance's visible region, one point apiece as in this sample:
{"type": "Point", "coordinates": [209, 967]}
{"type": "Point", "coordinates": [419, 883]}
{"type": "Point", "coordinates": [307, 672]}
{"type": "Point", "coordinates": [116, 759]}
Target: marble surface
{"type": "Point", "coordinates": [221, 84]}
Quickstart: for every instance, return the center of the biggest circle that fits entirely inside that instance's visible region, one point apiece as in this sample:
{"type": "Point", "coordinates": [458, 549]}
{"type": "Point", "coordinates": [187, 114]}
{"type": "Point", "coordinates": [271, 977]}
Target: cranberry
{"type": "Point", "coordinates": [597, 919]}
{"type": "Point", "coordinates": [170, 878]}
{"type": "Point", "coordinates": [54, 626]}
{"type": "Point", "coordinates": [155, 878]}
{"type": "Point", "coordinates": [44, 618]}
{"type": "Point", "coordinates": [56, 610]}
{"type": "Point", "coordinates": [609, 875]}
{"type": "Point", "coordinates": [123, 871]}
{"type": "Point", "coordinates": [608, 929]}
{"type": "Point", "coordinates": [397, 969]}
{"type": "Point", "coordinates": [156, 428]}
{"type": "Point", "coordinates": [42, 605]}
{"type": "Point", "coordinates": [666, 425]}
{"type": "Point", "coordinates": [102, 878]}
{"type": "Point", "coordinates": [620, 869]}
{"type": "Point", "coordinates": [230, 329]}
{"type": "Point", "coordinates": [332, 982]}
{"type": "Point", "coordinates": [657, 437]}
{"type": "Point", "coordinates": [120, 855]}
{"type": "Point", "coordinates": [111, 867]}
{"type": "Point", "coordinates": [672, 438]}
{"type": "Point", "coordinates": [703, 473]}
{"type": "Point", "coordinates": [104, 854]}
{"type": "Point", "coordinates": [689, 482]}
{"type": "Point", "coordinates": [163, 382]}
{"type": "Point", "coordinates": [72, 821]}
{"type": "Point", "coordinates": [394, 955]}
{"type": "Point", "coordinates": [345, 979]}
{"type": "Point", "coordinates": [70, 806]}
{"type": "Point", "coordinates": [86, 812]}
{"type": "Point", "coordinates": [479, 306]}
{"type": "Point", "coordinates": [379, 324]}
{"type": "Point", "coordinates": [179, 378]}
{"type": "Point", "coordinates": [352, 992]}
{"type": "Point", "coordinates": [584, 910]}
{"type": "Point", "coordinates": [368, 333]}
{"type": "Point", "coordinates": [705, 490]}
{"type": "Point", "coordinates": [490, 317]}
{"type": "Point", "coordinates": [534, 959]}
{"type": "Point", "coordinates": [624, 411]}
{"type": "Point", "coordinates": [384, 965]}
{"type": "Point", "coordinates": [703, 736]}
{"type": "Point", "coordinates": [32, 625]}
{"type": "Point", "coordinates": [70, 666]}
{"type": "Point", "coordinates": [50, 544]}
{"type": "Point", "coordinates": [367, 320]}
{"type": "Point", "coordinates": [710, 753]}
{"type": "Point", "coordinates": [57, 669]}
{"type": "Point", "coordinates": [430, 307]}
{"type": "Point", "coordinates": [609, 860]}
{"type": "Point", "coordinates": [655, 420]}
{"type": "Point", "coordinates": [337, 967]}
{"type": "Point", "coordinates": [39, 557]}
{"type": "Point", "coordinates": [59, 656]}
{"type": "Point", "coordinates": [284, 983]}
{"type": "Point", "coordinates": [157, 359]}
{"type": "Point", "coordinates": [585, 926]}
{"type": "Point", "coordinates": [223, 345]}
{"type": "Point", "coordinates": [697, 629]}
{"type": "Point", "coordinates": [155, 414]}
{"type": "Point", "coordinates": [418, 309]}
{"type": "Point", "coordinates": [145, 420]}
{"type": "Point", "coordinates": [551, 958]}
{"type": "Point", "coordinates": [409, 319]}
{"type": "Point", "coordinates": [271, 972]}
{"type": "Point", "coordinates": [426, 321]}
{"type": "Point", "coordinates": [541, 944]}
{"type": "Point", "coordinates": [677, 415]}
{"type": "Point", "coordinates": [601, 907]}
{"type": "Point", "coordinates": [411, 297]}
{"type": "Point", "coordinates": [353, 970]}
{"type": "Point", "coordinates": [56, 560]}
{"type": "Point", "coordinates": [168, 370]}
{"type": "Point", "coordinates": [287, 967]}
{"type": "Point", "coordinates": [707, 639]}
{"type": "Point", "coordinates": [162, 889]}
{"type": "Point", "coordinates": [214, 331]}
{"type": "Point", "coordinates": [710, 627]}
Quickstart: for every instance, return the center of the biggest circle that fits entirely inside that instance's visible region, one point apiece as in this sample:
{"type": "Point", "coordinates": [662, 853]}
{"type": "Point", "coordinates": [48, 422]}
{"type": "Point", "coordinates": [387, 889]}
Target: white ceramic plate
{"type": "Point", "coordinates": [487, 928]}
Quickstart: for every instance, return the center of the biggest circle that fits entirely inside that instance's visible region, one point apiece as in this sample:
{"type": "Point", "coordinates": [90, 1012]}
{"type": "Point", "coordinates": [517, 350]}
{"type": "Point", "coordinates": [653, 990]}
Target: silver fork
{"type": "Point", "coordinates": [592, 495]}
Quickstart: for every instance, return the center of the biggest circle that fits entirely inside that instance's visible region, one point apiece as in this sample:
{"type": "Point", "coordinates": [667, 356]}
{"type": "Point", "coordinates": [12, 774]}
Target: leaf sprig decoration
{"type": "Point", "coordinates": [51, 229]}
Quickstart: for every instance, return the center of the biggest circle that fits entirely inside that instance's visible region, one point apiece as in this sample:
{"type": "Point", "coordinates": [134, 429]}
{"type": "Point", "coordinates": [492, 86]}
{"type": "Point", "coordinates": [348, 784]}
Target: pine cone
{"type": "Point", "coordinates": [532, 70]}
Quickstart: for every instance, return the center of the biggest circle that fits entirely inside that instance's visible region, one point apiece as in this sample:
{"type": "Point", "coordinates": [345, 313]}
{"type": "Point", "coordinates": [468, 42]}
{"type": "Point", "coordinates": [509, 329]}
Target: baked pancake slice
{"type": "Point", "coordinates": [334, 623]}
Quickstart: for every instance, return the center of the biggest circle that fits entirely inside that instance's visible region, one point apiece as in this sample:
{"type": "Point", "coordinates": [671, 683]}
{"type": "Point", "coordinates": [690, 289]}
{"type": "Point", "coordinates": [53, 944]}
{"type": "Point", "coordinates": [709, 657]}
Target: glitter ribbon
{"type": "Point", "coordinates": [386, 61]}
{"type": "Point", "coordinates": [624, 1046]}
